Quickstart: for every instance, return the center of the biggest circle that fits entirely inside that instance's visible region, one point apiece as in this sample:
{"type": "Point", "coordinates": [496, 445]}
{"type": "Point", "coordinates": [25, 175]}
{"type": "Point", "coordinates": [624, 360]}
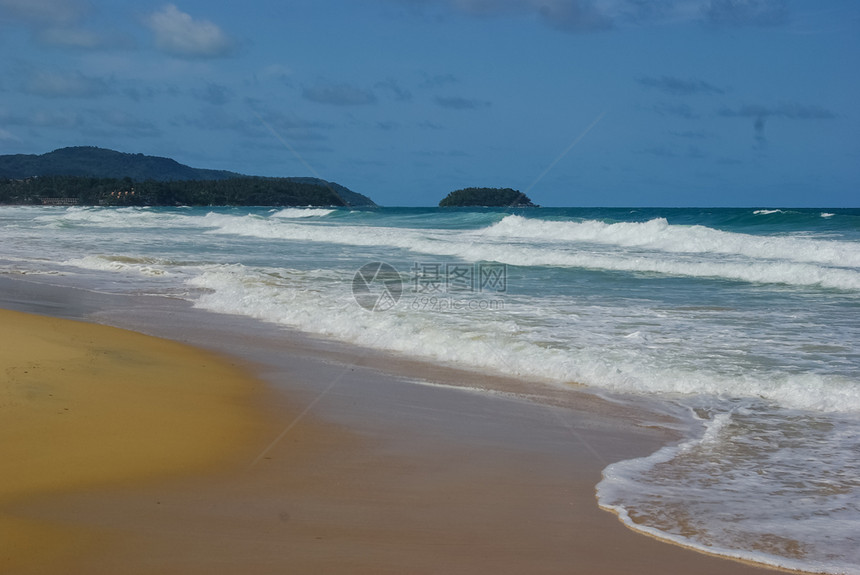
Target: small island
{"type": "Point", "coordinates": [487, 197]}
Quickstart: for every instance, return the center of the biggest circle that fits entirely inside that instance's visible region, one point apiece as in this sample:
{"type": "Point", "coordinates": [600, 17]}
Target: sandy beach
{"type": "Point", "coordinates": [257, 451]}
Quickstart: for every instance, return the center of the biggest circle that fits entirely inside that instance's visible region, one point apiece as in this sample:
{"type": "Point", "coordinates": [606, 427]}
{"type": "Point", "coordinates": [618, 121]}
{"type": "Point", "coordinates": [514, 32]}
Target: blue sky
{"type": "Point", "coordinates": [575, 102]}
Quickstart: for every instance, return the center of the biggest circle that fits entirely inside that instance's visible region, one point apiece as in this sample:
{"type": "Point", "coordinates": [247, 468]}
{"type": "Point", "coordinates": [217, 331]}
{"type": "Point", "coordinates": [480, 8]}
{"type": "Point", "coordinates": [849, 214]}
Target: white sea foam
{"type": "Point", "coordinates": [780, 260]}
{"type": "Point", "coordinates": [693, 251]}
{"type": "Point", "coordinates": [290, 213]}
{"type": "Point", "coordinates": [117, 218]}
{"type": "Point", "coordinates": [759, 484]}
{"type": "Point", "coordinates": [502, 343]}
{"type": "Point", "coordinates": [768, 212]}
{"type": "Point", "coordinates": [143, 266]}
{"type": "Point", "coordinates": [659, 235]}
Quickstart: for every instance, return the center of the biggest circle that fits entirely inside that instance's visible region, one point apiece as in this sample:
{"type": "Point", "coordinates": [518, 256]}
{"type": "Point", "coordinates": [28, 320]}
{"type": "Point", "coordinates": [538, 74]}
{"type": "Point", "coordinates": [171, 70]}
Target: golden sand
{"type": "Point", "coordinates": [122, 453]}
{"type": "Point", "coordinates": [84, 406]}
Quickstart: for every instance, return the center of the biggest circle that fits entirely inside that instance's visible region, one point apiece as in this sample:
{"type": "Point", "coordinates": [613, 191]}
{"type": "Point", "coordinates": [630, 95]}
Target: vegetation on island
{"type": "Point", "coordinates": [87, 175]}
{"type": "Point", "coordinates": [243, 191]}
{"type": "Point", "coordinates": [487, 197]}
{"type": "Point", "coordinates": [103, 163]}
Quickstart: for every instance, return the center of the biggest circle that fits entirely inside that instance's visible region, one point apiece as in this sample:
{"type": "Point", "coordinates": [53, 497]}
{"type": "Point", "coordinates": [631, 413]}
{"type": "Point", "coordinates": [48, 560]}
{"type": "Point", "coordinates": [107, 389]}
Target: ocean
{"type": "Point", "coordinates": [743, 325]}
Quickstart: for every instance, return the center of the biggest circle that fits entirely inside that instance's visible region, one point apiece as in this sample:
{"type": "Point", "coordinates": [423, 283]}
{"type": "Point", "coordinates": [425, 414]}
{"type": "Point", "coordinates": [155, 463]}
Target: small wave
{"type": "Point", "coordinates": [752, 258]}
{"type": "Point", "coordinates": [290, 213]}
{"type": "Point", "coordinates": [143, 266]}
{"type": "Point", "coordinates": [136, 217]}
{"type": "Point", "coordinates": [747, 488]}
{"type": "Point", "coordinates": [658, 234]}
{"type": "Point", "coordinates": [768, 212]}
{"type": "Point", "coordinates": [827, 214]}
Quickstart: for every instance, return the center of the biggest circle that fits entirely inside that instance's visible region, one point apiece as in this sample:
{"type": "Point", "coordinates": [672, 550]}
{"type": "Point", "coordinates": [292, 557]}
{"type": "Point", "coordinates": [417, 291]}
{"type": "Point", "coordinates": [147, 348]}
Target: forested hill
{"type": "Point", "coordinates": [103, 164]}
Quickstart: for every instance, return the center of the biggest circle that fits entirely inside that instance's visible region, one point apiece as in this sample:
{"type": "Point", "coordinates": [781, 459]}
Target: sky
{"type": "Point", "coordinates": [574, 102]}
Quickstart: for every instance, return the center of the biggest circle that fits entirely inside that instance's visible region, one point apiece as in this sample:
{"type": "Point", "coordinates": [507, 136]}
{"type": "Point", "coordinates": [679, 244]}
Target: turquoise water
{"type": "Point", "coordinates": [745, 320]}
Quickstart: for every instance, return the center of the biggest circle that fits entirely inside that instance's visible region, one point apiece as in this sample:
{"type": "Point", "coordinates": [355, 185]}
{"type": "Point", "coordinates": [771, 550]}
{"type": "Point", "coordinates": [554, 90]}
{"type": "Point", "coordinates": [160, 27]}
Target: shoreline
{"type": "Point", "coordinates": [362, 470]}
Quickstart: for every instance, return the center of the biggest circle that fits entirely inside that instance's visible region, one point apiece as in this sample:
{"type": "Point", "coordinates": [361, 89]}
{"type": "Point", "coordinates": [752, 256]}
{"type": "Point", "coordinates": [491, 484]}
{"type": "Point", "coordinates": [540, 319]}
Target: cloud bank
{"type": "Point", "coordinates": [747, 12]}
{"type": "Point", "coordinates": [584, 16]}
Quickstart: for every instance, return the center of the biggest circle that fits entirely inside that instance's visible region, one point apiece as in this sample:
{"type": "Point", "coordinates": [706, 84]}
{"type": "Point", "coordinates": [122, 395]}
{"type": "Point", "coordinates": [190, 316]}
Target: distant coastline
{"type": "Point", "coordinates": [92, 176]}
{"type": "Point", "coordinates": [241, 191]}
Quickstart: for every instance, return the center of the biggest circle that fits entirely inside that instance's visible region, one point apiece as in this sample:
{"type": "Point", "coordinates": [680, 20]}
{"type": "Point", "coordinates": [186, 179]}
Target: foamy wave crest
{"type": "Point", "coordinates": [143, 266]}
{"type": "Point", "coordinates": [658, 234]}
{"type": "Point", "coordinates": [290, 213]}
{"type": "Point", "coordinates": [809, 391]}
{"type": "Point", "coordinates": [116, 218]}
{"type": "Point", "coordinates": [320, 303]}
{"type": "Point", "coordinates": [767, 212]}
{"type": "Point", "coordinates": [494, 244]}
{"type": "Point", "coordinates": [285, 229]}
{"type": "Point", "coordinates": [797, 274]}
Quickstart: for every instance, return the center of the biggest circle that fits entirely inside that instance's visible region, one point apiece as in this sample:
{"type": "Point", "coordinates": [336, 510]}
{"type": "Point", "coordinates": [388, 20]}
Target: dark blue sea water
{"type": "Point", "coordinates": [747, 321]}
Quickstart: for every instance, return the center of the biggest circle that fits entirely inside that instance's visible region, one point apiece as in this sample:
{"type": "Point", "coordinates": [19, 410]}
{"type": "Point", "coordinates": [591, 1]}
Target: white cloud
{"type": "Point", "coordinates": [178, 34]}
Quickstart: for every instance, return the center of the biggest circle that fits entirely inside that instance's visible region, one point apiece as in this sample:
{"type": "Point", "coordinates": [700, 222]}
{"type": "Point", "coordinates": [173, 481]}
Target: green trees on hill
{"type": "Point", "coordinates": [89, 175]}
{"type": "Point", "coordinates": [487, 197]}
{"type": "Point", "coordinates": [244, 191]}
{"type": "Point", "coordinates": [103, 163]}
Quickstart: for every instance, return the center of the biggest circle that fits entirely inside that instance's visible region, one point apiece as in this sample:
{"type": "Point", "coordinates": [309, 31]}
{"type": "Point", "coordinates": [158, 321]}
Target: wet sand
{"type": "Point", "coordinates": [334, 461]}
